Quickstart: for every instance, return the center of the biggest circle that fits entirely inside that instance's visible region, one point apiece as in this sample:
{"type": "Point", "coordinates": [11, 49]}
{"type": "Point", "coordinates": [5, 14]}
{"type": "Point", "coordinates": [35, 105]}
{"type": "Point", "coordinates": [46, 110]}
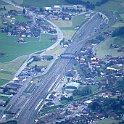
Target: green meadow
{"type": "Point", "coordinates": [117, 7]}
{"type": "Point", "coordinates": [68, 27]}
{"type": "Point", "coordinates": [42, 3]}
{"type": "Point", "coordinates": [12, 49]}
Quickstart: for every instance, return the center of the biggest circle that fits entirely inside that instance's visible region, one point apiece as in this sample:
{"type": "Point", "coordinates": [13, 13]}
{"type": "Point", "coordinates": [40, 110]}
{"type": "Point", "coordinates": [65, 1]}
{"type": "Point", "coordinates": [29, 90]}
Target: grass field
{"type": "Point", "coordinates": [19, 1]}
{"type": "Point", "coordinates": [68, 27]}
{"type": "Point", "coordinates": [63, 23]}
{"type": "Point", "coordinates": [42, 3]}
{"type": "Point", "coordinates": [9, 7]}
{"type": "Point", "coordinates": [112, 5]}
{"type": "Point", "coordinates": [40, 63]}
{"type": "Point", "coordinates": [3, 81]}
{"type": "Point", "coordinates": [12, 66]}
{"type": "Point", "coordinates": [77, 20]}
{"type": "Point", "coordinates": [107, 121]}
{"type": "Point", "coordinates": [12, 49]}
{"type": "Point", "coordinates": [122, 16]}
{"type": "Point", "coordinates": [56, 51]}
{"type": "Point", "coordinates": [68, 34]}
{"type": "Point", "coordinates": [118, 24]}
{"type": "Point", "coordinates": [21, 18]}
{"type": "Point", "coordinates": [117, 7]}
{"type": "Point", "coordinates": [103, 48]}
{"type": "Point", "coordinates": [2, 3]}
{"type": "Point", "coordinates": [92, 1]}
{"type": "Point", "coordinates": [3, 97]}
{"type": "Point", "coordinates": [8, 69]}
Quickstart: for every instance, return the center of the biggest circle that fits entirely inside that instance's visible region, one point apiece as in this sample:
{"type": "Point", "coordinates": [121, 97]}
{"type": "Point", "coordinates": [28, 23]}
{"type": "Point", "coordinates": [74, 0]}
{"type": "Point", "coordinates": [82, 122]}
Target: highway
{"type": "Point", "coordinates": [87, 31]}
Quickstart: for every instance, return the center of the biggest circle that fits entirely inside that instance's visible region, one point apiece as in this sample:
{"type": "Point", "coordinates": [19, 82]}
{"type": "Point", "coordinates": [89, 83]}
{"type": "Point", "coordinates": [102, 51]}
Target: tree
{"type": "Point", "coordinates": [74, 1]}
{"type": "Point", "coordinates": [121, 84]}
{"type": "Point", "coordinates": [118, 32]}
{"type": "Point", "coordinates": [70, 17]}
{"type": "Point", "coordinates": [95, 106]}
{"type": "Point", "coordinates": [99, 3]}
{"type": "Point", "coordinates": [41, 9]}
{"type": "Point", "coordinates": [4, 8]}
{"type": "Point", "coordinates": [63, 17]}
{"type": "Point", "coordinates": [83, 91]}
{"type": "Point", "coordinates": [89, 5]}
{"type": "Point", "coordinates": [24, 10]}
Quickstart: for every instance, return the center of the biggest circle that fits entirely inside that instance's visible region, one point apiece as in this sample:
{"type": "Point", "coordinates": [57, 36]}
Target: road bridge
{"type": "Point", "coordinates": [67, 56]}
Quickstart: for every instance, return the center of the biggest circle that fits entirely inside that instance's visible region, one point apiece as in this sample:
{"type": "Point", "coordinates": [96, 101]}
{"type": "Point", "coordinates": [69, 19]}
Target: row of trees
{"type": "Point", "coordinates": [83, 91]}
{"type": "Point", "coordinates": [101, 2]}
{"type": "Point", "coordinates": [108, 105]}
{"type": "Point", "coordinates": [118, 32]}
{"type": "Point", "coordinates": [88, 3]}
{"type": "Point", "coordinates": [74, 1]}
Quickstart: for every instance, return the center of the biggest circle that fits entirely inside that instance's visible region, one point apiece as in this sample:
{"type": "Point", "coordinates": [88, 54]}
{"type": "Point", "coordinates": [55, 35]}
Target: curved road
{"type": "Point", "coordinates": [59, 34]}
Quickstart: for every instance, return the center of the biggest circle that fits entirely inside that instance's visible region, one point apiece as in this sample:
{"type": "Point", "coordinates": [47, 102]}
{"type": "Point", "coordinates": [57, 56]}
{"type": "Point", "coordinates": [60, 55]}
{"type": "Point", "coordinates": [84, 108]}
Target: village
{"type": "Point", "coordinates": [84, 87]}
{"type": "Point", "coordinates": [35, 20]}
{"type": "Point", "coordinates": [88, 82]}
{"type": "Point", "coordinates": [35, 25]}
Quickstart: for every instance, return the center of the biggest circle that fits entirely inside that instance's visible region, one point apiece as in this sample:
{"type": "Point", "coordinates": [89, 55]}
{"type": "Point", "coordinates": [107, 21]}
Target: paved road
{"type": "Point", "coordinates": [28, 112]}
{"type": "Point", "coordinates": [60, 35]}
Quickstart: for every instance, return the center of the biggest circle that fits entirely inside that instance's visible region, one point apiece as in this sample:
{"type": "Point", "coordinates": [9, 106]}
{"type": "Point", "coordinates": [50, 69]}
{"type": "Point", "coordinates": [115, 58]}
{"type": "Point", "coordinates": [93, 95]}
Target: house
{"type": "Point", "coordinates": [69, 7]}
{"type": "Point", "coordinates": [48, 8]}
{"type": "Point", "coordinates": [57, 8]}
{"type": "Point", "coordinates": [13, 86]}
{"type": "Point", "coordinates": [74, 8]}
{"type": "Point", "coordinates": [21, 40]}
{"type": "Point", "coordinates": [88, 102]}
{"type": "Point", "coordinates": [47, 57]}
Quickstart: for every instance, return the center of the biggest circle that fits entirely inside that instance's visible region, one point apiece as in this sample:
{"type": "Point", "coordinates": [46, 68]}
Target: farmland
{"type": "Point", "coordinates": [41, 63]}
{"type": "Point", "coordinates": [117, 8]}
{"type": "Point", "coordinates": [107, 121]}
{"type": "Point", "coordinates": [104, 47]}
{"type": "Point", "coordinates": [12, 49]}
{"type": "Point", "coordinates": [39, 3]}
{"type": "Point", "coordinates": [68, 27]}
{"type": "Point", "coordinates": [20, 18]}
{"type": "Point", "coordinates": [13, 54]}
{"type": "Point", "coordinates": [8, 69]}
